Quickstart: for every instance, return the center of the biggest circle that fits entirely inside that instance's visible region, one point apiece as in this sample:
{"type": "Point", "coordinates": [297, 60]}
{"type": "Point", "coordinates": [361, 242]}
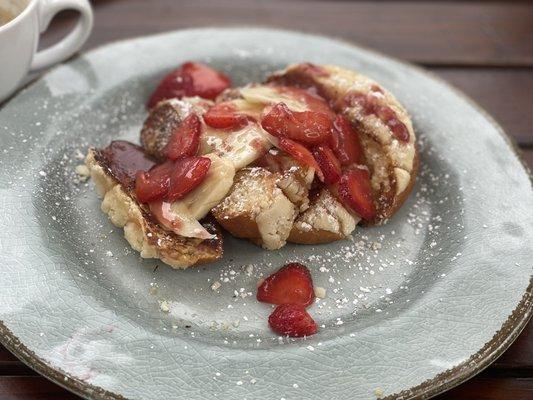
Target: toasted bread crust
{"type": "Point", "coordinates": [393, 164]}
{"type": "Point", "coordinates": [142, 232]}
{"type": "Point", "coordinates": [257, 209]}
{"type": "Point", "coordinates": [164, 119]}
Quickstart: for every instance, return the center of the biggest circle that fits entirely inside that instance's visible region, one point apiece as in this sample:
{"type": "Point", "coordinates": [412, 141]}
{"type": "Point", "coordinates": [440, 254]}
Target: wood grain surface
{"type": "Point", "coordinates": [469, 33]}
{"type": "Point", "coordinates": [484, 48]}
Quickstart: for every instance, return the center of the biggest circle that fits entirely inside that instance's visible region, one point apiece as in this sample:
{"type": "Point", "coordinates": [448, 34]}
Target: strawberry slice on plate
{"type": "Point", "coordinates": [171, 180]}
{"type": "Point", "coordinates": [153, 184]}
{"type": "Point", "coordinates": [290, 284]}
{"type": "Point", "coordinates": [355, 192]}
{"type": "Point", "coordinates": [188, 173]}
{"type": "Point", "coordinates": [345, 142]}
{"type": "Point", "coordinates": [329, 164]}
{"type": "Point", "coordinates": [185, 140]}
{"type": "Point", "coordinates": [292, 320]}
{"type": "Point", "coordinates": [191, 79]}
{"type": "Point", "coordinates": [299, 153]}
{"type": "Point", "coordinates": [309, 127]}
{"type": "Point", "coordinates": [225, 116]}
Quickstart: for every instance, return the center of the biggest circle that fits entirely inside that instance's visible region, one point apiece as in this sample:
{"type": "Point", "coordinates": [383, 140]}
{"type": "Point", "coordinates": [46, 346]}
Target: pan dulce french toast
{"type": "Point", "coordinates": [303, 158]}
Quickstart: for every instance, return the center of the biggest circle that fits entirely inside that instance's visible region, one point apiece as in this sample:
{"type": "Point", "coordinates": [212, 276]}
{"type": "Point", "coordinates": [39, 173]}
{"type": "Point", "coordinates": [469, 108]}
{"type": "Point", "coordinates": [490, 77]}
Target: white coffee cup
{"type": "Point", "coordinates": [19, 38]}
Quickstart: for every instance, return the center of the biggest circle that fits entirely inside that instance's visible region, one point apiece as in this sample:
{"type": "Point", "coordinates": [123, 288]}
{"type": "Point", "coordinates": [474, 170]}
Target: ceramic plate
{"type": "Point", "coordinates": [412, 308]}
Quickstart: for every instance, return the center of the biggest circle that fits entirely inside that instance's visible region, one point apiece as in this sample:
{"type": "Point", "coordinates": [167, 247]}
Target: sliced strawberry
{"type": "Point", "coordinates": [355, 192]}
{"type": "Point", "coordinates": [206, 82]}
{"type": "Point", "coordinates": [300, 154]}
{"type": "Point", "coordinates": [191, 79]}
{"type": "Point", "coordinates": [345, 142]}
{"type": "Point", "coordinates": [292, 320]}
{"type": "Point", "coordinates": [290, 284]}
{"type": "Point", "coordinates": [308, 127]}
{"type": "Point", "coordinates": [154, 184]}
{"type": "Point", "coordinates": [389, 117]}
{"type": "Point", "coordinates": [171, 86]}
{"type": "Point", "coordinates": [188, 173]}
{"type": "Point", "coordinates": [171, 180]}
{"type": "Point", "coordinates": [225, 116]}
{"type": "Point", "coordinates": [329, 165]}
{"type": "Point", "coordinates": [185, 140]}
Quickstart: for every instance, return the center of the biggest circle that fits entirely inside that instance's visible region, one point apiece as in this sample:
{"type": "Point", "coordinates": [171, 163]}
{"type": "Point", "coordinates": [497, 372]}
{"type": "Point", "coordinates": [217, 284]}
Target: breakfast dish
{"type": "Point", "coordinates": [431, 289]}
{"type": "Point", "coordinates": [303, 157]}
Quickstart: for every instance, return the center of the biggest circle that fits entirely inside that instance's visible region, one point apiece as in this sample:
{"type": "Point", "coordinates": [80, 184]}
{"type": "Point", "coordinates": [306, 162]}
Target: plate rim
{"type": "Point", "coordinates": [442, 382]}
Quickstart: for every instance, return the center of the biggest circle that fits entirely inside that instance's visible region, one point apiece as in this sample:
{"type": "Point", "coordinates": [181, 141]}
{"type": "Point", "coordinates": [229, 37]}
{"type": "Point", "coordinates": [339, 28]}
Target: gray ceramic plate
{"type": "Point", "coordinates": [412, 308]}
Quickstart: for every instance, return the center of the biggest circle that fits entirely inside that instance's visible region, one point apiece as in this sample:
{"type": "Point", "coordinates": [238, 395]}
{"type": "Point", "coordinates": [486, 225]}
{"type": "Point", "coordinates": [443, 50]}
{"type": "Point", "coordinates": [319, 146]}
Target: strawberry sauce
{"type": "Point", "coordinates": [123, 160]}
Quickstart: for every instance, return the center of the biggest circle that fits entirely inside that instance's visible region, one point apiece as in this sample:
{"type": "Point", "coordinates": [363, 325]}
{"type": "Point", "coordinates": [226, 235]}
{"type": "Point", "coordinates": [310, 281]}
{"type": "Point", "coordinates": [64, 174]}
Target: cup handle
{"type": "Point", "coordinates": [74, 40]}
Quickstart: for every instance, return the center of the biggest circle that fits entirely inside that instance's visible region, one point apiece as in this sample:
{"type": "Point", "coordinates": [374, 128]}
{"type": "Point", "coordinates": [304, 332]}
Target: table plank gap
{"type": "Point", "coordinates": [459, 32]}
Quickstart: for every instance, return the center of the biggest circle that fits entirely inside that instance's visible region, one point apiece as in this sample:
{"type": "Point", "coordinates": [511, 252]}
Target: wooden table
{"type": "Point", "coordinates": [484, 48]}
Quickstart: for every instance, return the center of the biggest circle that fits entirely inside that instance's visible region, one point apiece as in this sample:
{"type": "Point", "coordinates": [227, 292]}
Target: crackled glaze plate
{"type": "Point", "coordinates": [412, 308]}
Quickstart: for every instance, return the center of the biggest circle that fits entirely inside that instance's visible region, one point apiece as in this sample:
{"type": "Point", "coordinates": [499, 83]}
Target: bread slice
{"type": "Point", "coordinates": [293, 178]}
{"type": "Point", "coordinates": [255, 199]}
{"type": "Point", "coordinates": [393, 163]}
{"type": "Point", "coordinates": [256, 209]}
{"type": "Point", "coordinates": [322, 218]}
{"type": "Point", "coordinates": [326, 220]}
{"type": "Point", "coordinates": [165, 118]}
{"type": "Point", "coordinates": [141, 230]}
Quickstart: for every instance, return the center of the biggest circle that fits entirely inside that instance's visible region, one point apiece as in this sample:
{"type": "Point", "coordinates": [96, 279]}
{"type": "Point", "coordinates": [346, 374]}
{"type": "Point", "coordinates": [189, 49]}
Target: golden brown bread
{"type": "Point", "coordinates": [393, 163]}
{"type": "Point", "coordinates": [325, 221]}
{"type": "Point", "coordinates": [293, 178]}
{"type": "Point", "coordinates": [143, 233]}
{"type": "Point", "coordinates": [321, 219]}
{"type": "Point", "coordinates": [256, 209]}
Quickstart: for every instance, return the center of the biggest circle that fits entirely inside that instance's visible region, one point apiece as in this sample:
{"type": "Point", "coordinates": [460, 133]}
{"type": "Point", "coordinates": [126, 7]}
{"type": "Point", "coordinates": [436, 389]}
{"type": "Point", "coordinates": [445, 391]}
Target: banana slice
{"type": "Point", "coordinates": [211, 139]}
{"type": "Point", "coordinates": [245, 146]}
{"type": "Point", "coordinates": [182, 216]}
{"type": "Point", "coordinates": [268, 95]}
{"type": "Point", "coordinates": [211, 191]}
{"type": "Point", "coordinates": [177, 218]}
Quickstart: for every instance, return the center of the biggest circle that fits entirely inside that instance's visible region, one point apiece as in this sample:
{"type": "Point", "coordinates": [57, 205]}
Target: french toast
{"type": "Point", "coordinates": [141, 230]}
{"type": "Point", "coordinates": [256, 209]}
{"type": "Point", "coordinates": [390, 149]}
{"type": "Point", "coordinates": [302, 158]}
